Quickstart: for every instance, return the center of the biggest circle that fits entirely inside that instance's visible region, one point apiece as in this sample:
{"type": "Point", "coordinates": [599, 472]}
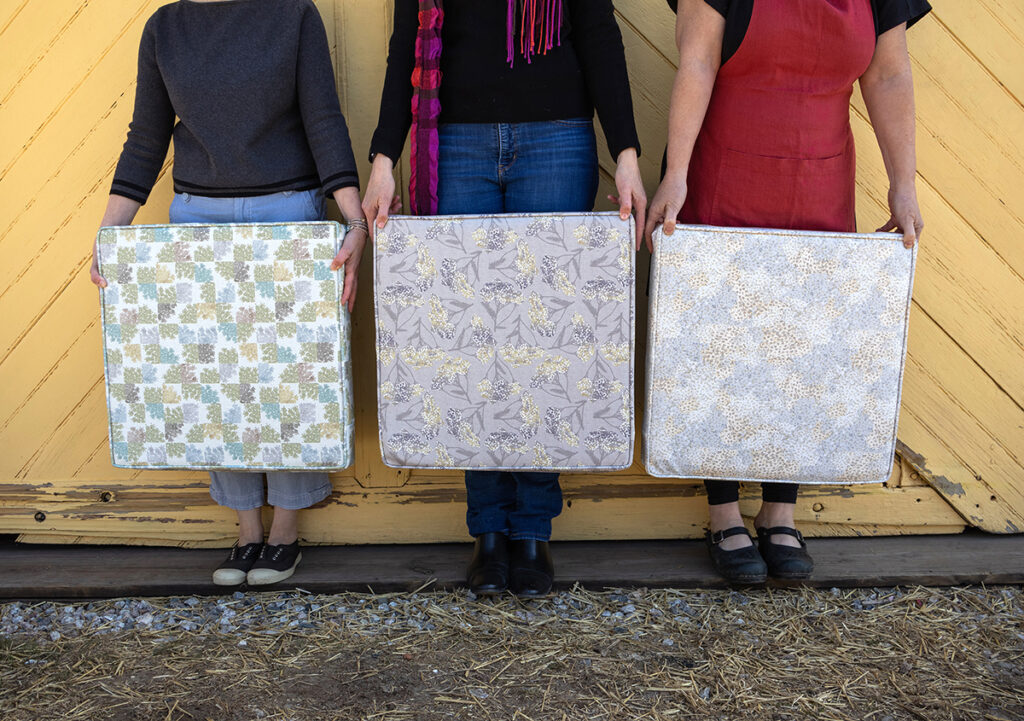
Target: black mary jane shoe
{"type": "Point", "coordinates": [488, 571]}
{"type": "Point", "coordinates": [785, 562]}
{"type": "Point", "coordinates": [533, 572]}
{"type": "Point", "coordinates": [741, 565]}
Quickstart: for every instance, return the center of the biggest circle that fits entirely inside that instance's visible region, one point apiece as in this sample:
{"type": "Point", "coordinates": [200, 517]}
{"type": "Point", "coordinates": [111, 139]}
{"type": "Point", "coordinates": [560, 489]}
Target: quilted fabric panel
{"type": "Point", "coordinates": [776, 355]}
{"type": "Point", "coordinates": [226, 347]}
{"type": "Point", "coordinates": [506, 342]}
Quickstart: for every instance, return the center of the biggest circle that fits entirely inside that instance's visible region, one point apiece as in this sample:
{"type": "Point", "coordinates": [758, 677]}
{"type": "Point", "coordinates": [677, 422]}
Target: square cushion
{"type": "Point", "coordinates": [506, 342]}
{"type": "Point", "coordinates": [776, 355]}
{"type": "Point", "coordinates": [226, 347]}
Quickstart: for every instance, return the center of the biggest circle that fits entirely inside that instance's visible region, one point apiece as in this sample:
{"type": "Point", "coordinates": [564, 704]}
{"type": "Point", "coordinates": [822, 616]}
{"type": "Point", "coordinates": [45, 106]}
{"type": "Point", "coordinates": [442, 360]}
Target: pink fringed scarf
{"type": "Point", "coordinates": [539, 25]}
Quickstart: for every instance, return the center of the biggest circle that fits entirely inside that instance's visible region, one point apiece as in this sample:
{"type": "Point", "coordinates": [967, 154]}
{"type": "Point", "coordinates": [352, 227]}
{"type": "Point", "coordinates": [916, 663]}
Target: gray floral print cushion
{"type": "Point", "coordinates": [776, 355]}
{"type": "Point", "coordinates": [506, 342]}
{"type": "Point", "coordinates": [225, 346]}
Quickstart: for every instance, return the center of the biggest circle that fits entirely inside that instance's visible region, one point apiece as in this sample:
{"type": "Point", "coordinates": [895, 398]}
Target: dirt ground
{"type": "Point", "coordinates": [864, 655]}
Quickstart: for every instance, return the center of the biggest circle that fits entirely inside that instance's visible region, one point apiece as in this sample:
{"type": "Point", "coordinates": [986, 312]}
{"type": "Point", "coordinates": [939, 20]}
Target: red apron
{"type": "Point", "coordinates": [776, 149]}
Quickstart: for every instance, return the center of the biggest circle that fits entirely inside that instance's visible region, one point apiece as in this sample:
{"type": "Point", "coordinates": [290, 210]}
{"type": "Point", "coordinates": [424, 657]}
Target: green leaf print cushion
{"type": "Point", "coordinates": [226, 347]}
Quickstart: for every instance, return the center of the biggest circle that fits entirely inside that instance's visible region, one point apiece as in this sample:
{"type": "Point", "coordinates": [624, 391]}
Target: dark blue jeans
{"type": "Point", "coordinates": [543, 167]}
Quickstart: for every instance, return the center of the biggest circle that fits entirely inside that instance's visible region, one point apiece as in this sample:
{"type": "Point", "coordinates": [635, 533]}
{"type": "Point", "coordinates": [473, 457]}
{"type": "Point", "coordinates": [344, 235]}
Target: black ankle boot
{"type": "Point", "coordinates": [533, 572]}
{"type": "Point", "coordinates": [488, 571]}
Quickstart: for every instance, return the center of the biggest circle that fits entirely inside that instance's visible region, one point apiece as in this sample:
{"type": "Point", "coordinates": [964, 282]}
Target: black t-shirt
{"type": "Point", "coordinates": [587, 71]}
{"type": "Point", "coordinates": [888, 14]}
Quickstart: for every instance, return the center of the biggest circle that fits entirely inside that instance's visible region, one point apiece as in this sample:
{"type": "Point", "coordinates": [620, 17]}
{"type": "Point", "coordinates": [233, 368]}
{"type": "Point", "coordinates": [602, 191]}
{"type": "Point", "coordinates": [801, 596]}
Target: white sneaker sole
{"type": "Point", "coordinates": [267, 576]}
{"type": "Point", "coordinates": [228, 577]}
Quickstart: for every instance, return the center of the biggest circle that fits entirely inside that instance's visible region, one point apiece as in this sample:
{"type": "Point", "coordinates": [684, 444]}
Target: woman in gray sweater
{"type": "Point", "coordinates": [246, 90]}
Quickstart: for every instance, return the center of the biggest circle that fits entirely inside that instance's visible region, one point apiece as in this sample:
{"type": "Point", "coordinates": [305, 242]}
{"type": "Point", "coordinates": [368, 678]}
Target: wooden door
{"type": "Point", "coordinates": [66, 91]}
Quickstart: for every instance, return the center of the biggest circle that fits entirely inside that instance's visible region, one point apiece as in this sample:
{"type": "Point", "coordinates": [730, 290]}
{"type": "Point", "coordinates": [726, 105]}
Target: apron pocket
{"type": "Point", "coordinates": [778, 192]}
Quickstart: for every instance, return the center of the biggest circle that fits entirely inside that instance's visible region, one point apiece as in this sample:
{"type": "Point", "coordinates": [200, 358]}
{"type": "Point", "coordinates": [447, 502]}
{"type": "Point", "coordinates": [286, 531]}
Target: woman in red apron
{"type": "Point", "coordinates": [759, 136]}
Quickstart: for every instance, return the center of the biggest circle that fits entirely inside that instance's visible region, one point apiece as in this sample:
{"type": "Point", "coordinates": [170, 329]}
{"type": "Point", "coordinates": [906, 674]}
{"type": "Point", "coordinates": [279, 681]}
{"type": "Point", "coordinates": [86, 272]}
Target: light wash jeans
{"type": "Point", "coordinates": [243, 490]}
{"type": "Point", "coordinates": [539, 167]}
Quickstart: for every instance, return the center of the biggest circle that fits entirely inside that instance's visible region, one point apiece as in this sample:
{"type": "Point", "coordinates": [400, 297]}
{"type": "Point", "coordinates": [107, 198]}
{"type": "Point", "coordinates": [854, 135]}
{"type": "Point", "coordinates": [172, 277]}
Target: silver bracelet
{"type": "Point", "coordinates": [358, 223]}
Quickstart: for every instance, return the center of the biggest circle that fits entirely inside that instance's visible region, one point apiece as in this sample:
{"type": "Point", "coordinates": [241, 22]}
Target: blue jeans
{"type": "Point", "coordinates": [243, 490]}
{"type": "Point", "coordinates": [543, 167]}
{"type": "Point", "coordinates": [290, 206]}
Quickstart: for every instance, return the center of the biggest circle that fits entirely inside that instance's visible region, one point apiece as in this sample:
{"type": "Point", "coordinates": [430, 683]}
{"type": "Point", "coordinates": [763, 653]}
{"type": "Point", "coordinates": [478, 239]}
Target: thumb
{"type": "Point", "coordinates": [671, 214]}
{"type": "Point", "coordinates": [909, 232]}
{"type": "Point", "coordinates": [383, 209]}
{"type": "Point", "coordinates": [625, 205]}
{"type": "Point", "coordinates": [341, 258]}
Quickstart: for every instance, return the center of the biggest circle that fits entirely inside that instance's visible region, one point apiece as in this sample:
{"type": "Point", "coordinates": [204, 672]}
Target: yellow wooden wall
{"type": "Point", "coordinates": [66, 87]}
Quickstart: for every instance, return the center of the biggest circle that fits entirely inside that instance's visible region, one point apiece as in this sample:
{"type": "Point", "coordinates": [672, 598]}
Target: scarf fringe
{"type": "Point", "coordinates": [539, 24]}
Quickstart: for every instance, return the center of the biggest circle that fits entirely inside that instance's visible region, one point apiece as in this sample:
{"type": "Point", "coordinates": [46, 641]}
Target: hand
{"type": "Point", "coordinates": [904, 215]}
{"type": "Point", "coordinates": [94, 270]}
{"type": "Point", "coordinates": [380, 199]}
{"type": "Point", "coordinates": [668, 201]}
{"type": "Point", "coordinates": [349, 256]}
{"type": "Point", "coordinates": [631, 194]}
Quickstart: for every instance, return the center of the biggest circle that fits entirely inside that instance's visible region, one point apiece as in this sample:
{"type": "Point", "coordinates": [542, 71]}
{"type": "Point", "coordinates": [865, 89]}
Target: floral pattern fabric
{"type": "Point", "coordinates": [226, 347]}
{"type": "Point", "coordinates": [776, 355]}
{"type": "Point", "coordinates": [506, 342]}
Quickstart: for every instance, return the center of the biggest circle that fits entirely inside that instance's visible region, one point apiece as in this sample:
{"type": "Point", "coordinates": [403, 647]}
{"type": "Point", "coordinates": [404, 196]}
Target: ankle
{"type": "Point", "coordinates": [775, 514]}
{"type": "Point", "coordinates": [724, 516]}
{"type": "Point", "coordinates": [281, 540]}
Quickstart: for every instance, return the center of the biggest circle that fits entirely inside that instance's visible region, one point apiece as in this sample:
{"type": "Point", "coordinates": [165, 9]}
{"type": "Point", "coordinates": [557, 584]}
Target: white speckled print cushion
{"type": "Point", "coordinates": [506, 342]}
{"type": "Point", "coordinates": [776, 355]}
{"type": "Point", "coordinates": [225, 347]}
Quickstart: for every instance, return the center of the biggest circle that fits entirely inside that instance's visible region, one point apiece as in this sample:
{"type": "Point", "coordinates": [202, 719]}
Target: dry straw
{"type": "Point", "coordinates": [860, 655]}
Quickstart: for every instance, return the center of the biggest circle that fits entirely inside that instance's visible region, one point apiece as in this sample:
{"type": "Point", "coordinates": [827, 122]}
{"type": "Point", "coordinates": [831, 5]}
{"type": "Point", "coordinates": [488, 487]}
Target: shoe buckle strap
{"type": "Point", "coordinates": [785, 530]}
{"type": "Point", "coordinates": [719, 536]}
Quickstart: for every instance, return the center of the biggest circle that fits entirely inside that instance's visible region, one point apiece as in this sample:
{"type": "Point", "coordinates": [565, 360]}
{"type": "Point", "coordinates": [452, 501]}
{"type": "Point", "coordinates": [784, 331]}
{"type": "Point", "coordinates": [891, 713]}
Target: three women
{"type": "Point", "coordinates": [500, 97]}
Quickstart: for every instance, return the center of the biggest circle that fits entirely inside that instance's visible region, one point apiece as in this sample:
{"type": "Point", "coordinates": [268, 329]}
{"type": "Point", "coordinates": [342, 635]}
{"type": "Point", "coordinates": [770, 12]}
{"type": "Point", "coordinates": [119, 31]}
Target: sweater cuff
{"type": "Point", "coordinates": [344, 179]}
{"type": "Point", "coordinates": [130, 191]}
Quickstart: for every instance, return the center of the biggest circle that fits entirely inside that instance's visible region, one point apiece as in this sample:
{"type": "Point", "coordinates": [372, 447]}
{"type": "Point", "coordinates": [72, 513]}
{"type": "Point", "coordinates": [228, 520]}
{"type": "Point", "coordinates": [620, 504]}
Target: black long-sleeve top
{"type": "Point", "coordinates": [587, 71]}
{"type": "Point", "coordinates": [252, 85]}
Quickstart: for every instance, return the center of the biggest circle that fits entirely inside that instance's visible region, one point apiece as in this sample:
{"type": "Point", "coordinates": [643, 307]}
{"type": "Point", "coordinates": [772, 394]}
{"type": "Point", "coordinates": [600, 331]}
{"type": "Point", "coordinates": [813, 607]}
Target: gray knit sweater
{"type": "Point", "coordinates": [252, 86]}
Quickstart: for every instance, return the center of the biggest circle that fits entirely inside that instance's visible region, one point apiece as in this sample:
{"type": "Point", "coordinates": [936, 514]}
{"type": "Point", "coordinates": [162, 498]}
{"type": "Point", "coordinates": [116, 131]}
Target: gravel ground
{"type": "Point", "coordinates": [878, 654]}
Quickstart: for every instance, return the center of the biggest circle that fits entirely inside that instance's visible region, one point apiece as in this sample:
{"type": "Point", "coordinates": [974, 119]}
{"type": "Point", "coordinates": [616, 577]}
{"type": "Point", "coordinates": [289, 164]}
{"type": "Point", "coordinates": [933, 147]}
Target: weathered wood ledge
{"type": "Point", "coordinates": [38, 572]}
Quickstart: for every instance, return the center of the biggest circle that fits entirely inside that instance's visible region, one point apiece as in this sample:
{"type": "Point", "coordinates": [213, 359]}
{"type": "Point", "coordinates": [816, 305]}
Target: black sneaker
{"type": "Point", "coordinates": [233, 571]}
{"type": "Point", "coordinates": [276, 563]}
